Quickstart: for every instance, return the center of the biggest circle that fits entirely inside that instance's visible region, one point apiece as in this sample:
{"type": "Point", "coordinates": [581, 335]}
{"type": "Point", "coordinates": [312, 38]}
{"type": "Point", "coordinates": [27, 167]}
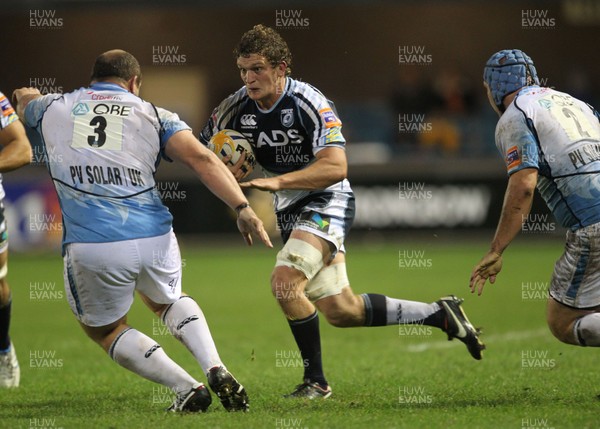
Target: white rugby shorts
{"type": "Point", "coordinates": [101, 278]}
{"type": "Point", "coordinates": [576, 278]}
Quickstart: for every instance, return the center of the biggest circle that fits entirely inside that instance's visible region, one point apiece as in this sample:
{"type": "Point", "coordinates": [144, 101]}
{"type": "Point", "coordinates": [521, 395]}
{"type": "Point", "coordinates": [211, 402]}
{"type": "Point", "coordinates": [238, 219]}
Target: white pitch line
{"type": "Point", "coordinates": [507, 336]}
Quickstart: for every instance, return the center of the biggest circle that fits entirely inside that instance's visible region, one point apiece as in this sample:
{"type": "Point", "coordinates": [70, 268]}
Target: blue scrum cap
{"type": "Point", "coordinates": [507, 71]}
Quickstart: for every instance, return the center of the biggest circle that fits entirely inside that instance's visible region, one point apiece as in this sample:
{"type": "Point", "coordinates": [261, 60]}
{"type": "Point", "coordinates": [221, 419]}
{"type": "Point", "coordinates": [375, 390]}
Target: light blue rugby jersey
{"type": "Point", "coordinates": [560, 136]}
{"type": "Point", "coordinates": [104, 145]}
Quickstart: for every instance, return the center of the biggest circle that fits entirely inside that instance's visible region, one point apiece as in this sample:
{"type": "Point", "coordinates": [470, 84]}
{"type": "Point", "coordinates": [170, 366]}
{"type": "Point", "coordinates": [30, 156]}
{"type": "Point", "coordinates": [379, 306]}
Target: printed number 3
{"type": "Point", "coordinates": [100, 123]}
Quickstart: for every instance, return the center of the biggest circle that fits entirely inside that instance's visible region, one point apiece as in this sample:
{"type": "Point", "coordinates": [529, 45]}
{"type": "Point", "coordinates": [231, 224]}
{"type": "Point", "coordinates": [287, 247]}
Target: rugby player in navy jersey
{"type": "Point", "coordinates": [297, 140]}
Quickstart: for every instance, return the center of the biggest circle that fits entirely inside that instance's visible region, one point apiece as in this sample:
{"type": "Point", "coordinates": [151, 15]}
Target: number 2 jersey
{"type": "Point", "coordinates": [286, 137]}
{"type": "Point", "coordinates": [103, 145]}
{"type": "Point", "coordinates": [559, 136]}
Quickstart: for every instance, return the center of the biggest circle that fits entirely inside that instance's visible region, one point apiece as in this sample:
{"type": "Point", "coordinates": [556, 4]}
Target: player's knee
{"type": "Point", "coordinates": [301, 256]}
{"type": "Point", "coordinates": [562, 330]}
{"type": "Point", "coordinates": [287, 284]}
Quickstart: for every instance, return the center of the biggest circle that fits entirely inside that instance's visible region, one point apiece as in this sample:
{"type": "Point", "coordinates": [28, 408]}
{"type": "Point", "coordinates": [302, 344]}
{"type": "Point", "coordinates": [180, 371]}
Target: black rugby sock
{"type": "Point", "coordinates": [4, 325]}
{"type": "Point", "coordinates": [308, 338]}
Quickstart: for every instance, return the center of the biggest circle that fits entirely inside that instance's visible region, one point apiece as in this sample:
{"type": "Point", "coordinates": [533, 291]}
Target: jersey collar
{"type": "Point", "coordinates": [107, 86]}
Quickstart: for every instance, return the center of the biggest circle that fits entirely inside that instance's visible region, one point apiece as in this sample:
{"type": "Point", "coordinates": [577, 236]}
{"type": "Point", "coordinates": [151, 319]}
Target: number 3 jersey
{"type": "Point", "coordinates": [286, 137]}
{"type": "Point", "coordinates": [103, 145]}
{"type": "Point", "coordinates": [560, 136]}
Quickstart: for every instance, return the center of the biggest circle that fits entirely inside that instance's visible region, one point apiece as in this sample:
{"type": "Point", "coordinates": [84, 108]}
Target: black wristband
{"type": "Point", "coordinates": [241, 207]}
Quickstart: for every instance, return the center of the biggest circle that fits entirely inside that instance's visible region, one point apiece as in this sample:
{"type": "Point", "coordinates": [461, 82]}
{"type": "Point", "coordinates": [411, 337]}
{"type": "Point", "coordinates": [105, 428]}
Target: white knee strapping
{"type": "Point", "coordinates": [3, 271]}
{"type": "Point", "coordinates": [329, 281]}
{"type": "Point", "coordinates": [302, 256]}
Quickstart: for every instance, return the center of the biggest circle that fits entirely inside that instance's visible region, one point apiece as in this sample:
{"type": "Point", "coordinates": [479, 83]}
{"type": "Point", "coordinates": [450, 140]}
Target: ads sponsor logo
{"type": "Point", "coordinates": [167, 55]}
{"type": "Point", "coordinates": [278, 138]}
{"type": "Point", "coordinates": [45, 19]}
{"type": "Point", "coordinates": [414, 55]}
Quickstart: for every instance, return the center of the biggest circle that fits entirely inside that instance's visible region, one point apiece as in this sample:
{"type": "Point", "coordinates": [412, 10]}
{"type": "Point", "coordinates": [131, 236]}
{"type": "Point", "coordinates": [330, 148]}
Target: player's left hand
{"type": "Point", "coordinates": [249, 224]}
{"type": "Point", "coordinates": [487, 269]}
{"type": "Point", "coordinates": [270, 184]}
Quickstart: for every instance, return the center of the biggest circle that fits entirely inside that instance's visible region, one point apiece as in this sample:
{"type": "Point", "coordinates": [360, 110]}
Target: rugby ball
{"type": "Point", "coordinates": [232, 143]}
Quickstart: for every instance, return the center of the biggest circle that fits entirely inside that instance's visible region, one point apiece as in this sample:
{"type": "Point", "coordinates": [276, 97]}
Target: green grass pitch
{"type": "Point", "coordinates": [389, 377]}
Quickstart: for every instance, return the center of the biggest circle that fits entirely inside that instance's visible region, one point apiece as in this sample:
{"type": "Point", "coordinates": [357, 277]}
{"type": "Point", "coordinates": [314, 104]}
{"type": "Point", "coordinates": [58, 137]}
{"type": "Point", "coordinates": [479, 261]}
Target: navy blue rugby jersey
{"type": "Point", "coordinates": [286, 137]}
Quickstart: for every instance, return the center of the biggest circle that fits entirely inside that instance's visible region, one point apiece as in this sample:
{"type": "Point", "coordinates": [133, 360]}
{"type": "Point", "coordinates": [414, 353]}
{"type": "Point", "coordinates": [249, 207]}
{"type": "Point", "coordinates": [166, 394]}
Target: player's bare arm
{"type": "Point", "coordinates": [16, 150]}
{"type": "Point", "coordinates": [330, 167]}
{"type": "Point", "coordinates": [516, 207]}
{"type": "Point", "coordinates": [185, 148]}
{"type": "Point", "coordinates": [22, 97]}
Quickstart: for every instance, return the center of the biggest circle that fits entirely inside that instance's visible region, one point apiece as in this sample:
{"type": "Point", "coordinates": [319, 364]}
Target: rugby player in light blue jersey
{"type": "Point", "coordinates": [549, 140]}
{"type": "Point", "coordinates": [118, 235]}
{"type": "Point", "coordinates": [16, 152]}
{"type": "Point", "coordinates": [296, 136]}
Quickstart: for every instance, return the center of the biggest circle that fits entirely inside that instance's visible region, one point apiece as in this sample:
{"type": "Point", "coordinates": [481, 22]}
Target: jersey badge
{"type": "Point", "coordinates": [287, 117]}
{"type": "Point", "coordinates": [329, 118]}
{"type": "Point", "coordinates": [512, 158]}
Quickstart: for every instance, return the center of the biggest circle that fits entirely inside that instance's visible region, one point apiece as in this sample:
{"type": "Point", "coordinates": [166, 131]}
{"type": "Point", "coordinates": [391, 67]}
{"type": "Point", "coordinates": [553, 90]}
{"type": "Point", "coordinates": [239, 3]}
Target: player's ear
{"type": "Point", "coordinates": [282, 67]}
{"type": "Point", "coordinates": [134, 84]}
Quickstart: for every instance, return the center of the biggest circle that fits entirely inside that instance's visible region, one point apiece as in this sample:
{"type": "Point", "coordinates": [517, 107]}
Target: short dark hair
{"type": "Point", "coordinates": [265, 41]}
{"type": "Point", "coordinates": [116, 64]}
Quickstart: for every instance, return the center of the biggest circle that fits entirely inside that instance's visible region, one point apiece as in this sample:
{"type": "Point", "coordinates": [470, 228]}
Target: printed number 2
{"type": "Point", "coordinates": [571, 115]}
{"type": "Point", "coordinates": [100, 123]}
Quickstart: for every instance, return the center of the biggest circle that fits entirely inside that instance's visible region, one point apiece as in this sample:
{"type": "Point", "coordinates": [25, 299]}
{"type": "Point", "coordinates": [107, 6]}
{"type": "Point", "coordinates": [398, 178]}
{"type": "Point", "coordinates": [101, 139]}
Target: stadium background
{"type": "Point", "coordinates": [405, 77]}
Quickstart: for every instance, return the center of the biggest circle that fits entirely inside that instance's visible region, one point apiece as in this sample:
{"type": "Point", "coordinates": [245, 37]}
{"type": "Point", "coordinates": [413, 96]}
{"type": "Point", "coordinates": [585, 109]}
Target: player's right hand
{"type": "Point", "coordinates": [236, 169]}
{"type": "Point", "coordinates": [487, 269]}
{"type": "Point", "coordinates": [249, 224]}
